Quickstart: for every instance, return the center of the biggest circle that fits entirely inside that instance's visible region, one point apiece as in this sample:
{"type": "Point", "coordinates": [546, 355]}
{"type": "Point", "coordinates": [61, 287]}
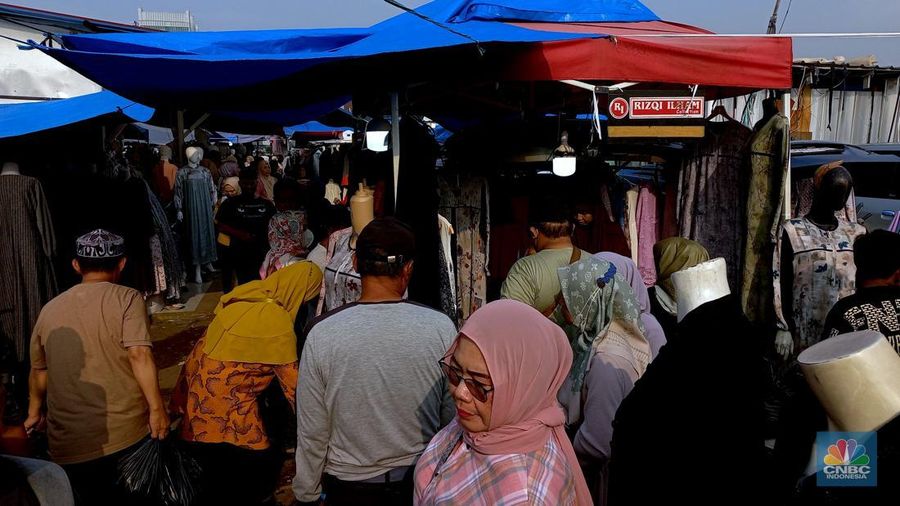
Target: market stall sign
{"type": "Point", "coordinates": [666, 108]}
{"type": "Point", "coordinates": [657, 108]}
{"type": "Point", "coordinates": [662, 114]}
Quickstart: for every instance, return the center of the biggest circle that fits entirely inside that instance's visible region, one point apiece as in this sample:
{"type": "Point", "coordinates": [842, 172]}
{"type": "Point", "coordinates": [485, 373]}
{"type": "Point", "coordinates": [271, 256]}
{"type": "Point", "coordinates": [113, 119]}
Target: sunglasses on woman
{"type": "Point", "coordinates": [454, 375]}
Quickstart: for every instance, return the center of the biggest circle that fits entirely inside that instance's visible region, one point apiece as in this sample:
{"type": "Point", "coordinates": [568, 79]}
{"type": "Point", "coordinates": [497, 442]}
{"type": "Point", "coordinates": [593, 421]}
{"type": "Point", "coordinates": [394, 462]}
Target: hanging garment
{"type": "Point", "coordinates": [343, 284]}
{"type": "Point", "coordinates": [631, 226]}
{"type": "Point", "coordinates": [647, 233]}
{"type": "Point", "coordinates": [170, 261]}
{"type": "Point", "coordinates": [669, 222]}
{"type": "Point", "coordinates": [469, 212]}
{"type": "Point", "coordinates": [767, 163]}
{"type": "Point", "coordinates": [447, 271]}
{"type": "Point", "coordinates": [824, 273]}
{"type": "Point", "coordinates": [332, 192]}
{"type": "Point", "coordinates": [195, 195]}
{"type": "Point", "coordinates": [136, 226]}
{"type": "Point", "coordinates": [713, 186]}
{"type": "Point", "coordinates": [27, 280]}
{"type": "Point", "coordinates": [164, 179]}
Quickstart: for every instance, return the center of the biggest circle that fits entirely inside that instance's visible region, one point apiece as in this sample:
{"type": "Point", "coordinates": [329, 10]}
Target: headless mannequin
{"type": "Point", "coordinates": [856, 378]}
{"type": "Point", "coordinates": [829, 198]}
{"type": "Point", "coordinates": [194, 155]}
{"type": "Point", "coordinates": [342, 281]}
{"type": "Point", "coordinates": [700, 284]}
{"type": "Point", "coordinates": [10, 169]}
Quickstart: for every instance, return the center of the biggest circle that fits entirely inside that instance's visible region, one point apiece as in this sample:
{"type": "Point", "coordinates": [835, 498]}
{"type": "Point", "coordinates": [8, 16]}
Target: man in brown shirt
{"type": "Point", "coordinates": [91, 359]}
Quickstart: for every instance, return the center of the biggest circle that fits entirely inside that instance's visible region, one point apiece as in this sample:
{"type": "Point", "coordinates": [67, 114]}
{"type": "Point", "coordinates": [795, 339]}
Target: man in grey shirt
{"type": "Point", "coordinates": [370, 394]}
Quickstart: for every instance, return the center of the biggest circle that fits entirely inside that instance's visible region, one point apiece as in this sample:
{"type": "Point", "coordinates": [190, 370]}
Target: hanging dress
{"type": "Point", "coordinates": [195, 195]}
{"type": "Point", "coordinates": [342, 284]}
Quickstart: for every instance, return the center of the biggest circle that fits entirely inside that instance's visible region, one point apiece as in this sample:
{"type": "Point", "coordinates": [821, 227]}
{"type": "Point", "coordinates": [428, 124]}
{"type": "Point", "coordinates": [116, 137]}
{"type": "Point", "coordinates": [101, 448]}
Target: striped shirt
{"type": "Point", "coordinates": [463, 476]}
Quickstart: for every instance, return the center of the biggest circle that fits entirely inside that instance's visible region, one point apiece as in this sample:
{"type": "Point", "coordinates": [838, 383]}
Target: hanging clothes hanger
{"type": "Point", "coordinates": [717, 111]}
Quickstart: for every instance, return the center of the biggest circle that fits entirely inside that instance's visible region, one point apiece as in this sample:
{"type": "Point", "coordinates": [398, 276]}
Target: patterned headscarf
{"type": "Point", "coordinates": [676, 254]}
{"type": "Point", "coordinates": [824, 170]}
{"type": "Point", "coordinates": [598, 300]}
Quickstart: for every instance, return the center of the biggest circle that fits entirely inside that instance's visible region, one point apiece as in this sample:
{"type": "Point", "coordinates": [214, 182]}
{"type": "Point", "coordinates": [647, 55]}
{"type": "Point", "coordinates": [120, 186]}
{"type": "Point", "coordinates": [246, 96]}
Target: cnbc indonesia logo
{"type": "Point", "coordinates": [846, 461]}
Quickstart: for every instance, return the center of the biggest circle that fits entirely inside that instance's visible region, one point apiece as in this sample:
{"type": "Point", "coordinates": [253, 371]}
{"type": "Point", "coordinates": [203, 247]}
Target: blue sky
{"type": "Point", "coordinates": [724, 16]}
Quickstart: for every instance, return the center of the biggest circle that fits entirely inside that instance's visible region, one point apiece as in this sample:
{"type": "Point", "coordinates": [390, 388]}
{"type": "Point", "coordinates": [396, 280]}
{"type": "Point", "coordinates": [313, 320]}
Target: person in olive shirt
{"type": "Point", "coordinates": [533, 279]}
{"type": "Point", "coordinates": [245, 221]}
{"type": "Point", "coordinates": [876, 303]}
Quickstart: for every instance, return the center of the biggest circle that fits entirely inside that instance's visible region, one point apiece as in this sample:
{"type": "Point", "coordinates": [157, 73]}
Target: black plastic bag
{"type": "Point", "coordinates": [160, 472]}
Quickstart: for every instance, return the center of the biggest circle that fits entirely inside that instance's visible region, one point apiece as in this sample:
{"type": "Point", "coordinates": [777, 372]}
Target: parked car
{"type": "Point", "coordinates": [875, 170]}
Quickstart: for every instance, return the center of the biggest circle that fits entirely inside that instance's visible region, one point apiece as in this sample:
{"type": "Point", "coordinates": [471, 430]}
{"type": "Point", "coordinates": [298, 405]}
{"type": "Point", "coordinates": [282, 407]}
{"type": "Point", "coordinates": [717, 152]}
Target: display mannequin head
{"type": "Point", "coordinates": [165, 153]}
{"type": "Point", "coordinates": [833, 184]}
{"type": "Point", "coordinates": [362, 209]}
{"type": "Point", "coordinates": [194, 155]}
{"type": "Point", "coordinates": [856, 378]}
{"type": "Point", "coordinates": [698, 285]}
{"type": "Point", "coordinates": [550, 224]}
{"type": "Point", "coordinates": [10, 169]}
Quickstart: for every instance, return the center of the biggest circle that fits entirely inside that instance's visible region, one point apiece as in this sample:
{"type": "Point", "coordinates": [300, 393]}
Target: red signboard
{"type": "Point", "coordinates": [665, 108]}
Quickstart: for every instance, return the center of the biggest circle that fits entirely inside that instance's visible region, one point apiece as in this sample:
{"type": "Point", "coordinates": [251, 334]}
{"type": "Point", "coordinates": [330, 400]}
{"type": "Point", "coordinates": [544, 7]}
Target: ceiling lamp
{"type": "Point", "coordinates": [377, 135]}
{"type": "Point", "coordinates": [564, 160]}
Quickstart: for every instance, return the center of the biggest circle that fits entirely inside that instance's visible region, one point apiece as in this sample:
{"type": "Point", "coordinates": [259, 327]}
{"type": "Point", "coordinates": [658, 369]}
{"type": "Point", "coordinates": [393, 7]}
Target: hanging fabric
{"type": "Point", "coordinates": [713, 186]}
{"type": "Point", "coordinates": [767, 163]}
{"type": "Point", "coordinates": [647, 233]}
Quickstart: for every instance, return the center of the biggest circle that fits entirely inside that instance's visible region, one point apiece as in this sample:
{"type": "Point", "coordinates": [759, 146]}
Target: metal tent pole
{"type": "Point", "coordinates": [786, 100]}
{"type": "Point", "coordinates": [395, 142]}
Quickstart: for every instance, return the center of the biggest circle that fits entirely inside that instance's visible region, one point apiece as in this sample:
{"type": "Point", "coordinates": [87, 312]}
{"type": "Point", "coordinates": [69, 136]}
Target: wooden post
{"type": "Point", "coordinates": [179, 137]}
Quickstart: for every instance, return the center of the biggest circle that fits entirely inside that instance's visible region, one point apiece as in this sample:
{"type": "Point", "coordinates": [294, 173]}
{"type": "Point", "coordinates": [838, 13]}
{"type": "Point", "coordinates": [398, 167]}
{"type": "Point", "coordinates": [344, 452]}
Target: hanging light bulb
{"type": "Point", "coordinates": [564, 160]}
{"type": "Point", "coordinates": [377, 132]}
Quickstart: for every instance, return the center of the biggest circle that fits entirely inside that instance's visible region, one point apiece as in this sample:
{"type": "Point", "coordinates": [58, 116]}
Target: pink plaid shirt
{"type": "Point", "coordinates": [466, 477]}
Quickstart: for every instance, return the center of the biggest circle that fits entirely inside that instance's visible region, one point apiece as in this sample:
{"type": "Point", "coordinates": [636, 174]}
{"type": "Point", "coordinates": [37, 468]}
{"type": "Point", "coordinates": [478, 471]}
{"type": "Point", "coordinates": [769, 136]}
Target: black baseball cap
{"type": "Point", "coordinates": [387, 240]}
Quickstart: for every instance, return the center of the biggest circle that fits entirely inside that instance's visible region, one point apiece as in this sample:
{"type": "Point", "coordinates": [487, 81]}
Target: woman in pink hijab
{"type": "Point", "coordinates": [507, 444]}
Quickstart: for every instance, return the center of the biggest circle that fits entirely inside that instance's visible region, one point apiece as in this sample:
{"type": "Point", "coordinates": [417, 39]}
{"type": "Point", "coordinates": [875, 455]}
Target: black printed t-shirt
{"type": "Point", "coordinates": [876, 308]}
{"type": "Point", "coordinates": [248, 214]}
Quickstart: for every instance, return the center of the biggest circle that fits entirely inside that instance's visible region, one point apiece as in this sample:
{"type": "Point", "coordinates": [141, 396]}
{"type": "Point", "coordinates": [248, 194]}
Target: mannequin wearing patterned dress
{"type": "Point", "coordinates": [814, 265]}
{"type": "Point", "coordinates": [342, 283]}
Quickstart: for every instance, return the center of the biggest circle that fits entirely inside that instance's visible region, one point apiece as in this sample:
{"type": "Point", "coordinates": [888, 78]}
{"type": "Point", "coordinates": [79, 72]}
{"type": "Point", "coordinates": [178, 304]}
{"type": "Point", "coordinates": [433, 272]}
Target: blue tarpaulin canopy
{"type": "Point", "coordinates": [262, 69]}
{"type": "Point", "coordinates": [554, 11]}
{"type": "Point", "coordinates": [27, 118]}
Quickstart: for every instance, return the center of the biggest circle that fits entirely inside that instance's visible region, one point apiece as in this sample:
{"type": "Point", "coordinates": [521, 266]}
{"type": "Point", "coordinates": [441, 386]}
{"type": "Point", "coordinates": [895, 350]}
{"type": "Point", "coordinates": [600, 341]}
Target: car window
{"type": "Point", "coordinates": [877, 180]}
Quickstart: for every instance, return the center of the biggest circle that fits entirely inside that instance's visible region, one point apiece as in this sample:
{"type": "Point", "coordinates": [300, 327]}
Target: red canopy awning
{"type": "Point", "coordinates": [656, 52]}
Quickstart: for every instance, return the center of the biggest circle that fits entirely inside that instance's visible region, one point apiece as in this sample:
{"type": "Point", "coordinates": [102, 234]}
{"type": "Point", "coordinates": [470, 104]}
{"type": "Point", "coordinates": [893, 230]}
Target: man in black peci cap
{"type": "Point", "coordinates": [370, 398]}
{"type": "Point", "coordinates": [92, 366]}
{"type": "Point", "coordinates": [533, 279]}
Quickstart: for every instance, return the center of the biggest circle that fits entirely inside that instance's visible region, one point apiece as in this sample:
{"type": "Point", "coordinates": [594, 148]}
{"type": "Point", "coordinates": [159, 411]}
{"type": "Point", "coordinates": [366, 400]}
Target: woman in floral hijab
{"type": "Point", "coordinates": [610, 353]}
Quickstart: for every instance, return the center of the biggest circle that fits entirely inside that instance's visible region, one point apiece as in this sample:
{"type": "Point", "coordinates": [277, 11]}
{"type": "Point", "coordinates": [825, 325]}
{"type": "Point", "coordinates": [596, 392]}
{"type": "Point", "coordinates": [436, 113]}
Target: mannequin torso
{"type": "Point", "coordinates": [814, 264]}
{"type": "Point", "coordinates": [362, 211]}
